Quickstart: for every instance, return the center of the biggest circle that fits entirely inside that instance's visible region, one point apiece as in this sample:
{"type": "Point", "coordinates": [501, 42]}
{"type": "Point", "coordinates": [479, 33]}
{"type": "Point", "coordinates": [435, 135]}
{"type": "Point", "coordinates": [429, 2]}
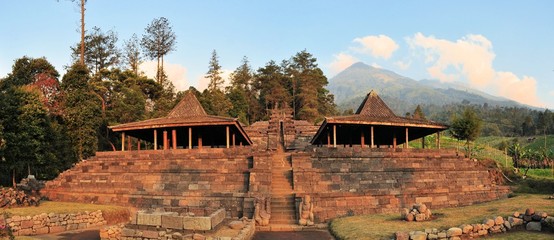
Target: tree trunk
{"type": "Point", "coordinates": [82, 59]}
{"type": "Point", "coordinates": [13, 180]}
{"type": "Point", "coordinates": [158, 71]}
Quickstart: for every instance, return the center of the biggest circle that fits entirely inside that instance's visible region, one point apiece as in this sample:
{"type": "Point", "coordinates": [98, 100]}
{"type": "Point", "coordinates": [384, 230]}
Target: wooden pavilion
{"type": "Point", "coordinates": [374, 125]}
{"type": "Point", "coordinates": [187, 126]}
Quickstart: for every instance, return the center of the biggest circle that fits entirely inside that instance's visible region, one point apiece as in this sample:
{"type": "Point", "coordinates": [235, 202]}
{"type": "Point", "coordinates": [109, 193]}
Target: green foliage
{"type": "Point", "coordinates": [240, 95]}
{"type": "Point", "coordinates": [101, 50]}
{"type": "Point", "coordinates": [215, 101]}
{"type": "Point", "coordinates": [158, 41]}
{"type": "Point", "coordinates": [418, 113]}
{"type": "Point", "coordinates": [466, 127]}
{"type": "Point", "coordinates": [131, 54]}
{"type": "Point", "coordinates": [26, 70]}
{"type": "Point", "coordinates": [535, 185]}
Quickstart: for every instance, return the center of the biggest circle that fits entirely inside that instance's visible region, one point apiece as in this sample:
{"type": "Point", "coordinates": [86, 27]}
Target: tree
{"type": "Point", "coordinates": [132, 54]}
{"type": "Point", "coordinates": [240, 94]}
{"type": "Point", "coordinates": [25, 70]}
{"type": "Point", "coordinates": [466, 127]}
{"type": "Point", "coordinates": [101, 50]}
{"type": "Point", "coordinates": [158, 41]}
{"type": "Point", "coordinates": [82, 111]}
{"type": "Point", "coordinates": [270, 85]}
{"type": "Point", "coordinates": [217, 103]}
{"type": "Point", "coordinates": [311, 101]}
{"type": "Point", "coordinates": [418, 113]}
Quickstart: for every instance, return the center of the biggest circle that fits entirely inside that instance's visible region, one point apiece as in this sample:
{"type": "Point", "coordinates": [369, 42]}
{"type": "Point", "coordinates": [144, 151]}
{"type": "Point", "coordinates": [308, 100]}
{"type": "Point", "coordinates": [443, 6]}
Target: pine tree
{"type": "Point", "coordinates": [219, 105]}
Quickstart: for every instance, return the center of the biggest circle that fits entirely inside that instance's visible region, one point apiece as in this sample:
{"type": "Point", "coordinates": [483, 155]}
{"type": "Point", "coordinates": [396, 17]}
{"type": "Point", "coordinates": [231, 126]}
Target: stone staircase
{"type": "Point", "coordinates": [283, 209]}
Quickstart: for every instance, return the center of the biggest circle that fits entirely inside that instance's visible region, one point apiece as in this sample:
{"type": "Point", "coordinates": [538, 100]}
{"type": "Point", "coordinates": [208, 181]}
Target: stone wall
{"type": "Point", "coordinates": [355, 180]}
{"type": "Point", "coordinates": [197, 178]}
{"type": "Point", "coordinates": [53, 223]}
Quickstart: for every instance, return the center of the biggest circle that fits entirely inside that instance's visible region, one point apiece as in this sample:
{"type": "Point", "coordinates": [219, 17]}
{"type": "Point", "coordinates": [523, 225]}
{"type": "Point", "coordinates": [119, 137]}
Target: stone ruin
{"type": "Point", "coordinates": [419, 212]}
{"type": "Point", "coordinates": [530, 221]}
{"type": "Point", "coordinates": [26, 194]}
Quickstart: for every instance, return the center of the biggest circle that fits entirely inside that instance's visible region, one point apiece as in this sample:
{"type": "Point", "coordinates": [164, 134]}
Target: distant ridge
{"type": "Point", "coordinates": [401, 93]}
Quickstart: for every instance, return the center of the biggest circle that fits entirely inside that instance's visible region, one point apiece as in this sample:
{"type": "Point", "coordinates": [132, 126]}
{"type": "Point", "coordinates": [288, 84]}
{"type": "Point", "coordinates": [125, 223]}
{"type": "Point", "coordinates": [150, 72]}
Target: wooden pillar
{"type": "Point", "coordinates": [199, 140]}
{"type": "Point", "coordinates": [155, 139]}
{"type": "Point", "coordinates": [138, 144]}
{"type": "Point", "coordinates": [165, 140]}
{"type": "Point", "coordinates": [406, 143]}
{"type": "Point", "coordinates": [328, 138]}
{"type": "Point", "coordinates": [190, 137]}
{"type": "Point", "coordinates": [334, 136]}
{"type": "Point", "coordinates": [129, 143]}
{"type": "Point", "coordinates": [438, 140]}
{"type": "Point", "coordinates": [394, 140]}
{"type": "Point", "coordinates": [362, 140]}
{"type": "Point", "coordinates": [233, 140]}
{"type": "Point", "coordinates": [227, 135]}
{"type": "Point", "coordinates": [423, 142]}
{"type": "Point", "coordinates": [174, 138]}
{"type": "Point", "coordinates": [123, 141]}
{"type": "Point", "coordinates": [372, 138]}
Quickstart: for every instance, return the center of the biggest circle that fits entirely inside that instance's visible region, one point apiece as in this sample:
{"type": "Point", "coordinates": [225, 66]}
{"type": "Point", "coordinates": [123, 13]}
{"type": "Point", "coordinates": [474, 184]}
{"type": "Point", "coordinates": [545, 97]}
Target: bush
{"type": "Point", "coordinates": [536, 185]}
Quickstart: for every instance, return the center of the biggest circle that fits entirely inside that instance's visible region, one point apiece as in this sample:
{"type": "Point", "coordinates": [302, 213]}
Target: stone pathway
{"type": "Point", "coordinates": [299, 235]}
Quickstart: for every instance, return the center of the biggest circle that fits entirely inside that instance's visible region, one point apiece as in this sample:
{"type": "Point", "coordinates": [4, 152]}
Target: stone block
{"type": "Point", "coordinates": [401, 236]}
{"type": "Point", "coordinates": [499, 220]}
{"type": "Point", "coordinates": [420, 217]}
{"type": "Point", "coordinates": [515, 221]}
{"type": "Point", "coordinates": [483, 232]}
{"type": "Point", "coordinates": [466, 228]}
{"type": "Point", "coordinates": [152, 219]}
{"type": "Point", "coordinates": [197, 223]}
{"type": "Point", "coordinates": [489, 222]}
{"type": "Point", "coordinates": [27, 224]}
{"type": "Point", "coordinates": [217, 217]}
{"type": "Point", "coordinates": [454, 232]}
{"type": "Point", "coordinates": [418, 235]}
{"type": "Point", "coordinates": [127, 232]}
{"type": "Point", "coordinates": [41, 230]}
{"type": "Point", "coordinates": [150, 234]}
{"type": "Point", "coordinates": [56, 229]}
{"type": "Point", "coordinates": [533, 226]}
{"type": "Point", "coordinates": [237, 225]}
{"type": "Point", "coordinates": [173, 222]}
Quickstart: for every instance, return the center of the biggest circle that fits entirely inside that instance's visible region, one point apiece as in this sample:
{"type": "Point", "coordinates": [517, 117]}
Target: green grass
{"type": "Point", "coordinates": [383, 226]}
{"type": "Point", "coordinates": [522, 235]}
{"type": "Point", "coordinates": [62, 208]}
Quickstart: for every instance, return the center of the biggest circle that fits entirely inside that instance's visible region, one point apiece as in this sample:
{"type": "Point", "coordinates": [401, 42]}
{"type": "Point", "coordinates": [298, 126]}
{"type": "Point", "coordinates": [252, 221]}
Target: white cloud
{"type": "Point", "coordinates": [380, 46]}
{"type": "Point", "coordinates": [375, 65]}
{"type": "Point", "coordinates": [176, 73]}
{"type": "Point", "coordinates": [403, 65]}
{"type": "Point", "coordinates": [203, 82]}
{"type": "Point", "coordinates": [471, 58]}
{"type": "Point", "coordinates": [341, 61]}
{"type": "Point", "coordinates": [551, 93]}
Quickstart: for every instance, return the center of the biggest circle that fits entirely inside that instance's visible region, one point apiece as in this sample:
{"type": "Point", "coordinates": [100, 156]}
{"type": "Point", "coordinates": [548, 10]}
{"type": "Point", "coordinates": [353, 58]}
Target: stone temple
{"type": "Point", "coordinates": [348, 165]}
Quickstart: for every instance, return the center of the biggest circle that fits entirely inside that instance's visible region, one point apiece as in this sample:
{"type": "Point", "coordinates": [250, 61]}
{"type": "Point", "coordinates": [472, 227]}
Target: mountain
{"type": "Point", "coordinates": [401, 93]}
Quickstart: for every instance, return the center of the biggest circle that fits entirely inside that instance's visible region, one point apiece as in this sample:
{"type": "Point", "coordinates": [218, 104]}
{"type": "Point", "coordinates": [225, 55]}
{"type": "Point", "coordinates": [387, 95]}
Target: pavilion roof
{"type": "Point", "coordinates": [374, 111]}
{"type": "Point", "coordinates": [187, 113]}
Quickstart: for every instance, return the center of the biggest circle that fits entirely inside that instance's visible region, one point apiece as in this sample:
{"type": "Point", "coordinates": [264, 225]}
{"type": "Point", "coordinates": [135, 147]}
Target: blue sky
{"type": "Point", "coordinates": [505, 48]}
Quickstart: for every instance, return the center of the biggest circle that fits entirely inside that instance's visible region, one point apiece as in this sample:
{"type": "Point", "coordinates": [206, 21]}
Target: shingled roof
{"type": "Point", "coordinates": [374, 112]}
{"type": "Point", "coordinates": [187, 113]}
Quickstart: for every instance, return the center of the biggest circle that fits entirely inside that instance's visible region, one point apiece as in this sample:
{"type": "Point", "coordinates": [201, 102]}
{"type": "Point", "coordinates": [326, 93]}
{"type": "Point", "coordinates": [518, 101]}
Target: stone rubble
{"type": "Point", "coordinates": [419, 212]}
{"type": "Point", "coordinates": [10, 197]}
{"type": "Point", "coordinates": [530, 221]}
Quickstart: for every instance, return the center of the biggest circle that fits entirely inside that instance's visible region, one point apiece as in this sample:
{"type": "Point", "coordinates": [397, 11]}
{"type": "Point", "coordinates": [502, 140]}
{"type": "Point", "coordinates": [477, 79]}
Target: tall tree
{"type": "Point", "coordinates": [239, 93]}
{"type": "Point", "coordinates": [311, 101]}
{"type": "Point", "coordinates": [132, 53]}
{"type": "Point", "coordinates": [158, 41]}
{"type": "Point", "coordinates": [466, 127]}
{"type": "Point", "coordinates": [82, 111]}
{"type": "Point", "coordinates": [101, 50]}
{"type": "Point", "coordinates": [217, 103]}
{"type": "Point", "coordinates": [418, 113]}
{"type": "Point", "coordinates": [270, 85]}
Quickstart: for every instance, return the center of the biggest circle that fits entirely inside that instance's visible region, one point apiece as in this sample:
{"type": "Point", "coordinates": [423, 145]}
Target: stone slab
{"type": "Point", "coordinates": [197, 223]}
{"type": "Point", "coordinates": [173, 222]}
{"type": "Point", "coordinates": [152, 219]}
{"type": "Point", "coordinates": [217, 217]}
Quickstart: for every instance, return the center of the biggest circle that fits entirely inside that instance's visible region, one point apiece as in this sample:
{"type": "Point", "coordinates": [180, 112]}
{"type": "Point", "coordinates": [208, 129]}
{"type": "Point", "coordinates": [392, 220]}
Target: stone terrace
{"type": "Point", "coordinates": [357, 180]}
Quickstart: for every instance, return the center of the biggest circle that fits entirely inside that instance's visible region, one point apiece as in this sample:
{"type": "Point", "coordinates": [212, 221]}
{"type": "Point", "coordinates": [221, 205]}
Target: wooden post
{"type": "Point", "coordinates": [138, 144]}
{"type": "Point", "coordinates": [394, 140]}
{"type": "Point", "coordinates": [328, 138]}
{"type": "Point", "coordinates": [129, 143]}
{"type": "Point", "coordinates": [155, 139]}
{"type": "Point", "coordinates": [199, 140]}
{"type": "Point", "coordinates": [406, 143]}
{"type": "Point", "coordinates": [227, 135]}
{"type": "Point", "coordinates": [438, 140]}
{"type": "Point", "coordinates": [190, 137]}
{"type": "Point", "coordinates": [362, 140]}
{"type": "Point", "coordinates": [165, 140]}
{"type": "Point", "coordinates": [334, 136]}
{"type": "Point", "coordinates": [123, 141]}
{"type": "Point", "coordinates": [372, 138]}
{"type": "Point", "coordinates": [174, 138]}
{"type": "Point", "coordinates": [233, 140]}
{"type": "Point", "coordinates": [423, 142]}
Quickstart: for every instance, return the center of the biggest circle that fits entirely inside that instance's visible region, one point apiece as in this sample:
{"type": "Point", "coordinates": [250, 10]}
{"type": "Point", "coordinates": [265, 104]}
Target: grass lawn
{"type": "Point", "coordinates": [62, 207]}
{"type": "Point", "coordinates": [383, 226]}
